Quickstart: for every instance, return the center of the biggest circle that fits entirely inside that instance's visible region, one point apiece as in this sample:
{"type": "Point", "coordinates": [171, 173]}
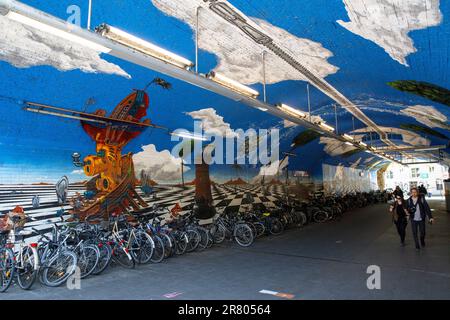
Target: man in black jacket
{"type": "Point", "coordinates": [419, 210]}
{"type": "Point", "coordinates": [422, 190]}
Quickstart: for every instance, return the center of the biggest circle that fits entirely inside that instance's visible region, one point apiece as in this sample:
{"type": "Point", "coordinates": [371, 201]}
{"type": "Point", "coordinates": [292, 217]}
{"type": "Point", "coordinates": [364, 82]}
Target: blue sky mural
{"type": "Point", "coordinates": [357, 46]}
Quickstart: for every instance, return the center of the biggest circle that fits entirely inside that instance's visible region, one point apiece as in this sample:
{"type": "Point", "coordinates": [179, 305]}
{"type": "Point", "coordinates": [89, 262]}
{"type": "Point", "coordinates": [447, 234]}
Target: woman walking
{"type": "Point", "coordinates": [399, 217]}
{"type": "Point", "coordinates": [419, 211]}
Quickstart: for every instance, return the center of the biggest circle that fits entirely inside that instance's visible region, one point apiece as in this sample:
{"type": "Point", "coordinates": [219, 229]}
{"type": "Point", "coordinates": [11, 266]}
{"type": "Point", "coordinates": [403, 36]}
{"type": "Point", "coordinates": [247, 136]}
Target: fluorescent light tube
{"type": "Point", "coordinates": [348, 143]}
{"type": "Point", "coordinates": [55, 31]}
{"type": "Point", "coordinates": [326, 126]}
{"type": "Point", "coordinates": [363, 144]}
{"type": "Point", "coordinates": [232, 84]}
{"type": "Point", "coordinates": [143, 46]}
{"type": "Point", "coordinates": [291, 110]}
{"type": "Point", "coordinates": [348, 137]}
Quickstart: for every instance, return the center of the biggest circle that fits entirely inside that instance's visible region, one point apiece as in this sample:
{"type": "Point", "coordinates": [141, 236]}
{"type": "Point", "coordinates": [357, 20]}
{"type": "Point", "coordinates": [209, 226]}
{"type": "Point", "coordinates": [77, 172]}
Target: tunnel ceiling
{"type": "Point", "coordinates": [389, 57]}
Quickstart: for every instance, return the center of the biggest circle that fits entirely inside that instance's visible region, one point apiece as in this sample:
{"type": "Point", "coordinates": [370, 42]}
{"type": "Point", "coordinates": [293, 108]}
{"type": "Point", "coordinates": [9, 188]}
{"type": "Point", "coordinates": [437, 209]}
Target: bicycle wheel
{"type": "Point", "coordinates": [181, 243]}
{"type": "Point", "coordinates": [123, 257]}
{"type": "Point", "coordinates": [142, 247]}
{"type": "Point", "coordinates": [169, 245]}
{"type": "Point", "coordinates": [158, 251]}
{"type": "Point", "coordinates": [193, 240]}
{"type": "Point", "coordinates": [275, 226]}
{"type": "Point", "coordinates": [320, 216]}
{"type": "Point", "coordinates": [210, 239]}
{"type": "Point", "coordinates": [243, 235]}
{"type": "Point", "coordinates": [303, 219]}
{"type": "Point", "coordinates": [204, 239]}
{"type": "Point", "coordinates": [6, 268]}
{"type": "Point", "coordinates": [104, 258]}
{"type": "Point", "coordinates": [218, 233]}
{"type": "Point", "coordinates": [253, 227]}
{"type": "Point", "coordinates": [27, 270]}
{"type": "Point", "coordinates": [260, 229]}
{"type": "Point", "coordinates": [59, 268]}
{"type": "Point", "coordinates": [88, 256]}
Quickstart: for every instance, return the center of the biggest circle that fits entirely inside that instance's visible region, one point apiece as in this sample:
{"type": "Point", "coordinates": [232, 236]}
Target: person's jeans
{"type": "Point", "coordinates": [401, 229]}
{"type": "Point", "coordinates": [418, 226]}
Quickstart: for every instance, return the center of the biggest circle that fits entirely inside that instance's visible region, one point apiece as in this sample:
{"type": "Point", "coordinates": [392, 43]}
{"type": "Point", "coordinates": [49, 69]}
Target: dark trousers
{"type": "Point", "coordinates": [418, 226]}
{"type": "Point", "coordinates": [401, 229]}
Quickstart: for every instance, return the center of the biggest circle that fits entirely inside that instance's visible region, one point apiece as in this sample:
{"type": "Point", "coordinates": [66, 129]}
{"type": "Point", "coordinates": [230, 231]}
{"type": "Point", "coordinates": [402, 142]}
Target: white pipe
{"type": "Point", "coordinates": [197, 35]}
{"type": "Point", "coordinates": [89, 15]}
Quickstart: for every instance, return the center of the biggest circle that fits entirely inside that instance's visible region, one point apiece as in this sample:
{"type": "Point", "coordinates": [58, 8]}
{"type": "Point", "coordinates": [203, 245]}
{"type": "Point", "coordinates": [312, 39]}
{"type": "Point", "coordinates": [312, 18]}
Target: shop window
{"type": "Point", "coordinates": [439, 185]}
{"type": "Point", "coordinates": [415, 173]}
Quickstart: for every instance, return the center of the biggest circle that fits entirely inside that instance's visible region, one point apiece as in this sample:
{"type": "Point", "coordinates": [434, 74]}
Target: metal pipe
{"type": "Point", "coordinates": [336, 118]}
{"type": "Point", "coordinates": [264, 75]}
{"type": "Point", "coordinates": [89, 15]}
{"type": "Point", "coordinates": [309, 102]}
{"type": "Point", "coordinates": [197, 28]}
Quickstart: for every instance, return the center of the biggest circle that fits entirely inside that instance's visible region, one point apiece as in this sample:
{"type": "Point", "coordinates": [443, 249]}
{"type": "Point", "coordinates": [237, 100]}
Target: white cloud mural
{"type": "Point", "coordinates": [335, 147]}
{"type": "Point", "coordinates": [161, 165]}
{"type": "Point", "coordinates": [388, 22]}
{"type": "Point", "coordinates": [24, 46]}
{"type": "Point", "coordinates": [238, 56]}
{"type": "Point", "coordinates": [212, 123]}
{"type": "Point", "coordinates": [427, 115]}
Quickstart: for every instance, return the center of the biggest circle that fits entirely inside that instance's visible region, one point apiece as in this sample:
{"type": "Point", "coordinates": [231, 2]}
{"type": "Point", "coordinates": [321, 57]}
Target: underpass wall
{"type": "Point", "coordinates": [341, 180]}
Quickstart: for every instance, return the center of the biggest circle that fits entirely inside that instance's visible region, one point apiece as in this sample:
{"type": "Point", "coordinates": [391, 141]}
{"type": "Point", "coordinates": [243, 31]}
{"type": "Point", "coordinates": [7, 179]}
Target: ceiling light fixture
{"type": "Point", "coordinates": [348, 137]}
{"type": "Point", "coordinates": [326, 126]}
{"type": "Point", "coordinates": [232, 84]}
{"type": "Point", "coordinates": [143, 46]}
{"type": "Point", "coordinates": [291, 110]}
{"type": "Point", "coordinates": [44, 27]}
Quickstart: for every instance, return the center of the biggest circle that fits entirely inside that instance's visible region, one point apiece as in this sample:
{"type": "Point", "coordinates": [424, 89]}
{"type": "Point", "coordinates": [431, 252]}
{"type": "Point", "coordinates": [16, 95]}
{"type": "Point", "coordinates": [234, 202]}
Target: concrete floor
{"type": "Point", "coordinates": [327, 261]}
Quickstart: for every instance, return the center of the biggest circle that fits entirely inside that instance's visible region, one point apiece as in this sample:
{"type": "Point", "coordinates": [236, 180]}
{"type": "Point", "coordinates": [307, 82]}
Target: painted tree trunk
{"type": "Point", "coordinates": [202, 183]}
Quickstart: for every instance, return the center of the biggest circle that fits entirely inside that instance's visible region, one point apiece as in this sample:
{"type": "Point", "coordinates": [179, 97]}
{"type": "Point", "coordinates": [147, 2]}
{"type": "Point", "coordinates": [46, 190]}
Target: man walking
{"type": "Point", "coordinates": [422, 190]}
{"type": "Point", "coordinates": [419, 210]}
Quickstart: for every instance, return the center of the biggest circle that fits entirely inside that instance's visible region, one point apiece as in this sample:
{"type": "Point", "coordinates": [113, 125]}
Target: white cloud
{"type": "Point", "coordinates": [239, 57]}
{"type": "Point", "coordinates": [212, 123]}
{"type": "Point", "coordinates": [388, 22]}
{"type": "Point", "coordinates": [162, 166]}
{"type": "Point", "coordinates": [335, 147]}
{"type": "Point", "coordinates": [78, 171]}
{"type": "Point", "coordinates": [24, 46]}
{"type": "Point", "coordinates": [427, 115]}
